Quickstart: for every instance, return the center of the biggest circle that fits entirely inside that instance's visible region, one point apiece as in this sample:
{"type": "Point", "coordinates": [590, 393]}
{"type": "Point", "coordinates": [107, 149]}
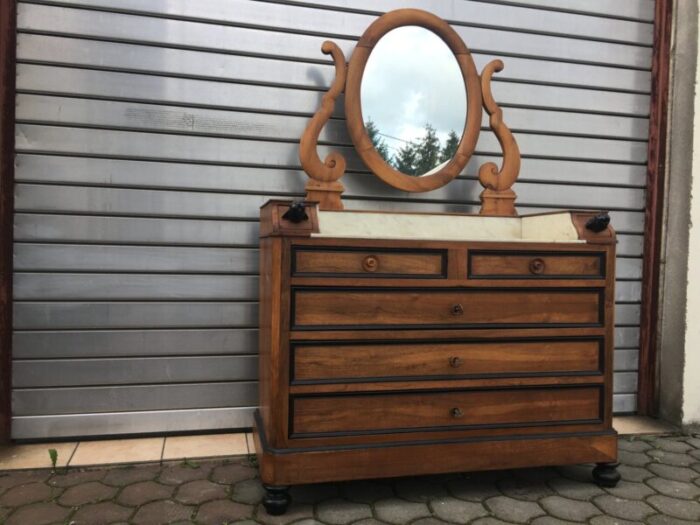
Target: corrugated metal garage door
{"type": "Point", "coordinates": [149, 133]}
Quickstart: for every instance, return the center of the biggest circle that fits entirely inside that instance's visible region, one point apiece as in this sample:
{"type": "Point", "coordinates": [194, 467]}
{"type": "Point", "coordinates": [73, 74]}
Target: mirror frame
{"type": "Point", "coordinates": [353, 103]}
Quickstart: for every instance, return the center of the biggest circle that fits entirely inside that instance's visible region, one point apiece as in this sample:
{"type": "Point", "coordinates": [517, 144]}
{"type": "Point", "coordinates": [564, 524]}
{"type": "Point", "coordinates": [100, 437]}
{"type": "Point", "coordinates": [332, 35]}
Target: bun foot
{"type": "Point", "coordinates": [606, 474]}
{"type": "Point", "coordinates": [276, 499]}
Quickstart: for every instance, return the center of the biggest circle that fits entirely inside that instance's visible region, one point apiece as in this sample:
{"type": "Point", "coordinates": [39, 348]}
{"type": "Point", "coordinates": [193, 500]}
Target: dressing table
{"type": "Point", "coordinates": [395, 344]}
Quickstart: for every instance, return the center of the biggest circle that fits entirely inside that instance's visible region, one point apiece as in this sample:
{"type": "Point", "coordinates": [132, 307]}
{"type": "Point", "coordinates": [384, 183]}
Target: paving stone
{"type": "Point", "coordinates": [675, 489]}
{"type": "Point", "coordinates": [119, 477]}
{"type": "Point", "coordinates": [222, 511]}
{"type": "Point", "coordinates": [418, 489]}
{"type": "Point", "coordinates": [101, 514]}
{"type": "Point", "coordinates": [302, 522]}
{"type": "Point", "coordinates": [695, 454]}
{"type": "Point", "coordinates": [144, 492]}
{"type": "Point", "coordinates": [314, 492]}
{"type": "Point", "coordinates": [427, 521]}
{"type": "Point", "coordinates": [457, 511]}
{"type": "Point", "coordinates": [633, 445]}
{"type": "Point", "coordinates": [674, 473]}
{"type": "Point", "coordinates": [20, 477]}
{"type": "Point", "coordinates": [514, 510]}
{"type": "Point", "coordinates": [75, 477]}
{"type": "Point", "coordinates": [365, 491]}
{"type": "Point", "coordinates": [694, 442]}
{"type": "Point", "coordinates": [181, 473]}
{"type": "Point", "coordinates": [636, 459]}
{"type": "Point", "coordinates": [233, 473]}
{"type": "Point", "coordinates": [671, 458]}
{"type": "Point", "coordinates": [491, 521]}
{"type": "Point", "coordinates": [630, 490]}
{"type": "Point", "coordinates": [295, 512]}
{"type": "Point", "coordinates": [678, 508]}
{"type": "Point", "coordinates": [38, 514]}
{"type": "Point", "coordinates": [532, 474]}
{"type": "Point", "coordinates": [576, 472]}
{"type": "Point", "coordinates": [524, 489]}
{"type": "Point", "coordinates": [570, 488]}
{"type": "Point", "coordinates": [161, 513]}
{"type": "Point", "coordinates": [199, 491]}
{"type": "Point", "coordinates": [399, 511]}
{"type": "Point", "coordinates": [90, 492]}
{"type": "Point", "coordinates": [610, 520]}
{"type": "Point", "coordinates": [249, 491]}
{"type": "Point", "coordinates": [661, 519]}
{"type": "Point", "coordinates": [673, 445]}
{"type": "Point", "coordinates": [340, 512]}
{"type": "Point", "coordinates": [473, 489]}
{"type": "Point", "coordinates": [623, 508]}
{"type": "Point", "coordinates": [635, 474]}
{"type": "Point", "coordinates": [567, 509]}
{"type": "Point", "coordinates": [27, 493]}
{"type": "Point", "coordinates": [549, 520]}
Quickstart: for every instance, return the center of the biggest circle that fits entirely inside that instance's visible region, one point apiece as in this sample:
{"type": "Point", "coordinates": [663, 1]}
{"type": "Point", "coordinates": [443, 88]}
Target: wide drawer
{"type": "Point", "coordinates": [369, 263]}
{"type": "Point", "coordinates": [536, 265]}
{"type": "Point", "coordinates": [436, 410]}
{"type": "Point", "coordinates": [366, 308]}
{"type": "Point", "coordinates": [334, 362]}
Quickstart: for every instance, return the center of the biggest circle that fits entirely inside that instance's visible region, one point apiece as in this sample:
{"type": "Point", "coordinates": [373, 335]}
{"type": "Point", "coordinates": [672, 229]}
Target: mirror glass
{"type": "Point", "coordinates": [414, 102]}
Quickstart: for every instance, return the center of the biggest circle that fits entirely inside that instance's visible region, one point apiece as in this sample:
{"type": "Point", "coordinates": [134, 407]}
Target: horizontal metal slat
{"type": "Point", "coordinates": [133, 343]}
{"type": "Point", "coordinates": [627, 314]}
{"type": "Point", "coordinates": [131, 371]}
{"type": "Point", "coordinates": [626, 359]}
{"type": "Point", "coordinates": [291, 71]}
{"type": "Point", "coordinates": [624, 382]}
{"type": "Point", "coordinates": [206, 93]}
{"type": "Point", "coordinates": [343, 25]}
{"type": "Point", "coordinates": [624, 403]}
{"type": "Point", "coordinates": [45, 401]}
{"type": "Point", "coordinates": [633, 9]}
{"type": "Point", "coordinates": [105, 315]}
{"type": "Point", "coordinates": [155, 422]}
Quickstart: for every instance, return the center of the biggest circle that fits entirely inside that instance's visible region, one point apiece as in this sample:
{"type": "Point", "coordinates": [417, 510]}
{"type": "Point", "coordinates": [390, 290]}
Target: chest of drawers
{"type": "Point", "coordinates": [451, 343]}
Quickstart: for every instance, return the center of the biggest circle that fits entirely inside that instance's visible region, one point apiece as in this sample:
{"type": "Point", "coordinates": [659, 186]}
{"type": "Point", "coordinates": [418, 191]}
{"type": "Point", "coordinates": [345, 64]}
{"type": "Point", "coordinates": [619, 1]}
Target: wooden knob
{"type": "Point", "coordinates": [457, 309]}
{"type": "Point", "coordinates": [370, 263]}
{"type": "Point", "coordinates": [456, 412]}
{"type": "Point", "coordinates": [455, 362]}
{"type": "Point", "coordinates": [536, 266]}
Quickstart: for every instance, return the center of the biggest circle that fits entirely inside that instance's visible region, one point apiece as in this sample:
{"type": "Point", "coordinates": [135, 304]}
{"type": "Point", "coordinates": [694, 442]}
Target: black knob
{"type": "Point", "coordinates": [296, 213]}
{"type": "Point", "coordinates": [598, 223]}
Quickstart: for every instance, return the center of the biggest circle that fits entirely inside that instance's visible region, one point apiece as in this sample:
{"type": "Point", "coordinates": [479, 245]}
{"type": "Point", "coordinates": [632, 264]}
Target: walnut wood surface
{"type": "Point", "coordinates": [362, 413]}
{"type": "Point", "coordinates": [535, 265]}
{"type": "Point", "coordinates": [369, 263]}
{"type": "Point", "coordinates": [366, 361]}
{"type": "Point", "coordinates": [440, 307]}
{"type": "Point", "coordinates": [353, 102]}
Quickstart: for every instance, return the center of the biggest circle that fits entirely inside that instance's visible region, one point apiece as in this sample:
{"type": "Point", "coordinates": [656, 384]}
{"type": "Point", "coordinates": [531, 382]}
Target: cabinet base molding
{"type": "Point", "coordinates": [293, 466]}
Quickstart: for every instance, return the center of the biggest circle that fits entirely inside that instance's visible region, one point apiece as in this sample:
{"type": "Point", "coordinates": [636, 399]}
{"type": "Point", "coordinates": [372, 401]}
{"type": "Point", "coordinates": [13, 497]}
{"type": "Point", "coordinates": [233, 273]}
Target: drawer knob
{"type": "Point", "coordinates": [370, 263]}
{"type": "Point", "coordinates": [455, 362]}
{"type": "Point", "coordinates": [456, 412]}
{"type": "Point", "coordinates": [536, 266]}
{"type": "Point", "coordinates": [457, 309]}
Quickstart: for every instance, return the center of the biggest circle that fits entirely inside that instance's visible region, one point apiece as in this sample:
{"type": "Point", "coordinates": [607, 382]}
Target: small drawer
{"type": "Point", "coordinates": [372, 413]}
{"type": "Point", "coordinates": [369, 263]}
{"type": "Point", "coordinates": [335, 308]}
{"type": "Point", "coordinates": [535, 265]}
{"type": "Point", "coordinates": [352, 362]}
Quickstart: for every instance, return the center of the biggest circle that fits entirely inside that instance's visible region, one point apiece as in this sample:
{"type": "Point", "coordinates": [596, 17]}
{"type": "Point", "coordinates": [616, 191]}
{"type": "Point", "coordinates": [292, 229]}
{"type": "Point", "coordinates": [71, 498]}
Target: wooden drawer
{"type": "Point", "coordinates": [436, 410]}
{"type": "Point", "coordinates": [366, 308]}
{"type": "Point", "coordinates": [535, 265]}
{"type": "Point", "coordinates": [333, 362]}
{"type": "Point", "coordinates": [369, 263]}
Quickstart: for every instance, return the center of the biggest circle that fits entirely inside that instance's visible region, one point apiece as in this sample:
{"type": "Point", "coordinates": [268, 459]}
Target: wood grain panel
{"type": "Point", "coordinates": [387, 307]}
{"type": "Point", "coordinates": [366, 413]}
{"type": "Point", "coordinates": [369, 263]}
{"type": "Point", "coordinates": [534, 265]}
{"type": "Point", "coordinates": [333, 362]}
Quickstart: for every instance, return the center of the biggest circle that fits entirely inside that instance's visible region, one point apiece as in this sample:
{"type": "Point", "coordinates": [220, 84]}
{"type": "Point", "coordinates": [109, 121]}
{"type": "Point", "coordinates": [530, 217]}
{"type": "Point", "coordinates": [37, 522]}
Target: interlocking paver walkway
{"type": "Point", "coordinates": [660, 486]}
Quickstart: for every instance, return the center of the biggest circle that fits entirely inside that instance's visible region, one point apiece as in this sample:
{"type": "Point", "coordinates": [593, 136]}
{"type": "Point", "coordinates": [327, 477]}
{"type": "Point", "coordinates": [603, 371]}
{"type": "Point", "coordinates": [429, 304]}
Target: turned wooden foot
{"type": "Point", "coordinates": [276, 499]}
{"type": "Point", "coordinates": [606, 474]}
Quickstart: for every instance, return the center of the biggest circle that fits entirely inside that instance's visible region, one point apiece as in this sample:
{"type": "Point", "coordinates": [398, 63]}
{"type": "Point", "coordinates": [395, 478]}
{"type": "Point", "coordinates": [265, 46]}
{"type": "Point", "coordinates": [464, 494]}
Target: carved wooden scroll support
{"type": "Point", "coordinates": [498, 198]}
{"type": "Point", "coordinates": [323, 186]}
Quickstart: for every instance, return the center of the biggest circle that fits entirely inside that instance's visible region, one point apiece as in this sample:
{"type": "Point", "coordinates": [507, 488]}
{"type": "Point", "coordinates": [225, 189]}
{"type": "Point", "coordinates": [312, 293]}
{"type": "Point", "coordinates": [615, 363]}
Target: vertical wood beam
{"type": "Point", "coordinates": [647, 396]}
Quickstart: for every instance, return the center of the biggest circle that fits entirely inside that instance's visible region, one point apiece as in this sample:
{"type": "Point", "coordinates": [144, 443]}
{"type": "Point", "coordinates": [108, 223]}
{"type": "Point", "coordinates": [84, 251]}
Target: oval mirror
{"type": "Point", "coordinates": [413, 100]}
{"type": "Point", "coordinates": [414, 103]}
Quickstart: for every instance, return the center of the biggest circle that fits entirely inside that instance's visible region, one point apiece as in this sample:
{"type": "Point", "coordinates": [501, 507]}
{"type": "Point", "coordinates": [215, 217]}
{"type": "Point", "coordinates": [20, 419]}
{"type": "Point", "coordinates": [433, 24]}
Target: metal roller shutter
{"type": "Point", "coordinates": [149, 133]}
